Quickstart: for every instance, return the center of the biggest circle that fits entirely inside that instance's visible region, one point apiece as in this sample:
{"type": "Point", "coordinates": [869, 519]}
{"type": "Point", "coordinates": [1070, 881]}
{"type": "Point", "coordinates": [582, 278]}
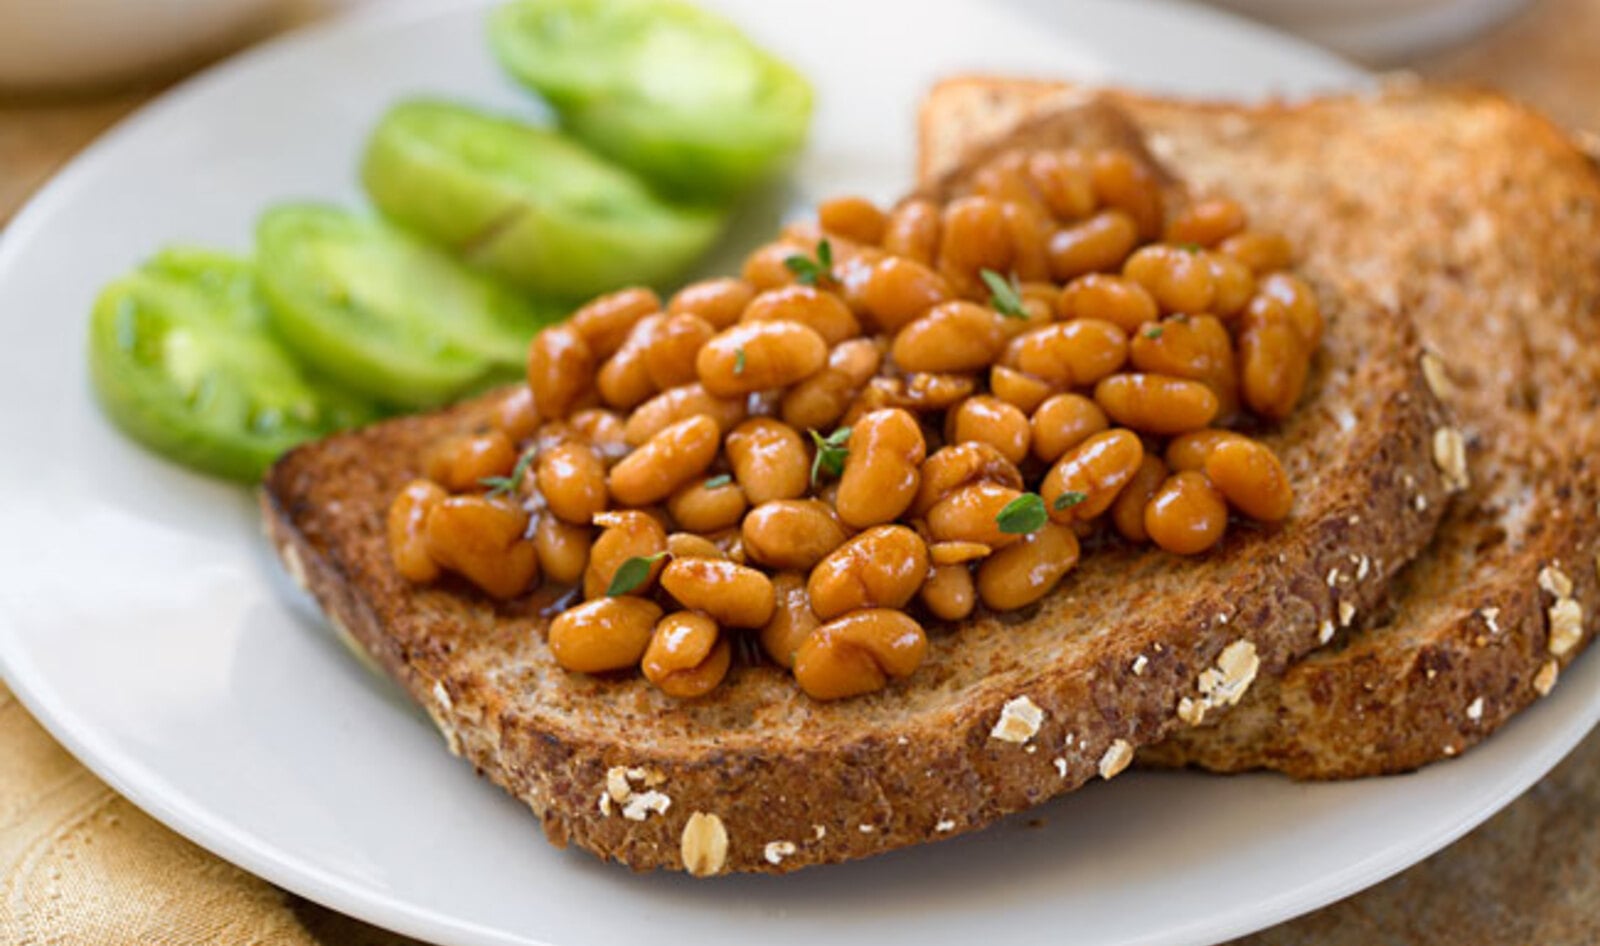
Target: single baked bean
{"type": "Point", "coordinates": [687, 656]}
{"type": "Point", "coordinates": [560, 369]}
{"type": "Point", "coordinates": [601, 429]}
{"type": "Point", "coordinates": [1274, 366]}
{"type": "Point", "coordinates": [1156, 403]}
{"type": "Point", "coordinates": [563, 549]}
{"type": "Point", "coordinates": [1095, 470]}
{"type": "Point", "coordinates": [1069, 354]}
{"type": "Point", "coordinates": [1127, 513]}
{"type": "Point", "coordinates": [769, 460]}
{"type": "Point", "coordinates": [665, 462]}
{"type": "Point", "coordinates": [735, 595]}
{"type": "Point", "coordinates": [679, 404]}
{"type": "Point", "coordinates": [895, 290]}
{"type": "Point", "coordinates": [854, 218]}
{"type": "Point", "coordinates": [623, 535]}
{"type": "Point", "coordinates": [974, 237]}
{"type": "Point", "coordinates": [792, 619]}
{"type": "Point", "coordinates": [820, 400]}
{"type": "Point", "coordinates": [880, 473]}
{"type": "Point", "coordinates": [572, 481]}
{"type": "Point", "coordinates": [1062, 422]}
{"type": "Point", "coordinates": [1189, 451]}
{"type": "Point", "coordinates": [821, 311]}
{"type": "Point", "coordinates": [516, 415]}
{"type": "Point", "coordinates": [858, 653]}
{"type": "Point", "coordinates": [1098, 244]}
{"type": "Point", "coordinates": [1262, 252]}
{"type": "Point", "coordinates": [702, 507]}
{"type": "Point", "coordinates": [1206, 222]}
{"type": "Point", "coordinates": [1122, 302]}
{"type": "Point", "coordinates": [880, 568]}
{"type": "Point", "coordinates": [767, 268]}
{"type": "Point", "coordinates": [603, 635]}
{"type": "Point", "coordinates": [1249, 474]}
{"type": "Point", "coordinates": [407, 530]}
{"type": "Point", "coordinates": [951, 467]}
{"type": "Point", "coordinates": [606, 321]}
{"type": "Point", "coordinates": [1025, 571]}
{"type": "Point", "coordinates": [792, 533]}
{"type": "Point", "coordinates": [1234, 281]}
{"type": "Point", "coordinates": [669, 358]}
{"type": "Point", "coordinates": [1187, 515]}
{"type": "Point", "coordinates": [1128, 184]}
{"type": "Point", "coordinates": [482, 540]}
{"type": "Point", "coordinates": [956, 553]}
{"type": "Point", "coordinates": [718, 301]}
{"type": "Point", "coordinates": [624, 380]}
{"type": "Point", "coordinates": [1017, 389]}
{"type": "Point", "coordinates": [1004, 178]}
{"type": "Point", "coordinates": [1064, 181]}
{"type": "Point", "coordinates": [1299, 306]}
{"type": "Point", "coordinates": [461, 463]}
{"type": "Point", "coordinates": [951, 337]}
{"type": "Point", "coordinates": [990, 420]}
{"type": "Point", "coordinates": [689, 545]}
{"type": "Point", "coordinates": [757, 356]}
{"type": "Point", "coordinates": [971, 514]}
{"type": "Point", "coordinates": [913, 231]}
{"type": "Point", "coordinates": [948, 594]}
{"type": "Point", "coordinates": [1179, 280]}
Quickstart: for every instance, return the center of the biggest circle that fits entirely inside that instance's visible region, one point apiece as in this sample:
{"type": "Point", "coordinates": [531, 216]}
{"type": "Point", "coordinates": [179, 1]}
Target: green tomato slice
{"type": "Point", "coordinates": [676, 93]}
{"type": "Point", "coordinates": [385, 314]}
{"type": "Point", "coordinates": [183, 360]}
{"type": "Point", "coordinates": [526, 203]}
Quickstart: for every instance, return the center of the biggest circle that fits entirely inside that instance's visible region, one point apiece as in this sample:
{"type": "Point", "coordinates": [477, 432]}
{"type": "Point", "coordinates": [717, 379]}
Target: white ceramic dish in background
{"type": "Point", "coordinates": [144, 622]}
{"type": "Point", "coordinates": [52, 43]}
{"type": "Point", "coordinates": [1380, 31]}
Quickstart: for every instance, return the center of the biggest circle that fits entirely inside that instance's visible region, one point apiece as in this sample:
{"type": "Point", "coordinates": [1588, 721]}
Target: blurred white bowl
{"type": "Point", "coordinates": [55, 43]}
{"type": "Point", "coordinates": [1379, 31]}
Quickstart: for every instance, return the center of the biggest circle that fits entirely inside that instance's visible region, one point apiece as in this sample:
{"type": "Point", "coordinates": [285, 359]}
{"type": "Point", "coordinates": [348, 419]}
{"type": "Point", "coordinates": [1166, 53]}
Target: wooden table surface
{"type": "Point", "coordinates": [78, 864]}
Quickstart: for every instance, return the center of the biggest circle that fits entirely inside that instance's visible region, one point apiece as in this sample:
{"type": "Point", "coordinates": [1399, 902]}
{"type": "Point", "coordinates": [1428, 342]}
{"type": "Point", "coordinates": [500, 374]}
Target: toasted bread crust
{"type": "Point", "coordinates": [1465, 640]}
{"type": "Point", "coordinates": [1108, 660]}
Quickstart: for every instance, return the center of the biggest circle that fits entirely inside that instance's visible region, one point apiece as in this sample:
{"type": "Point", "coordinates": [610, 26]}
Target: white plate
{"type": "Point", "coordinates": [143, 622]}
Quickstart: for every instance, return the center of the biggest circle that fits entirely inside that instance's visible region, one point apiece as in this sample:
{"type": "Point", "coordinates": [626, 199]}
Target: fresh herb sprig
{"type": "Point", "coordinates": [808, 271]}
{"type": "Point", "coordinates": [1023, 515]}
{"type": "Point", "coordinates": [632, 574]}
{"type": "Point", "coordinates": [831, 453]}
{"type": "Point", "coordinates": [717, 482]}
{"type": "Point", "coordinates": [1005, 296]}
{"type": "Point", "coordinates": [1069, 499]}
{"type": "Point", "coordinates": [506, 485]}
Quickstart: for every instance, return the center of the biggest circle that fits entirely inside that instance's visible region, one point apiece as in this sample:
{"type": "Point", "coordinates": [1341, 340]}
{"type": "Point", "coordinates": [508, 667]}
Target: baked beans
{"type": "Point", "coordinates": [934, 411]}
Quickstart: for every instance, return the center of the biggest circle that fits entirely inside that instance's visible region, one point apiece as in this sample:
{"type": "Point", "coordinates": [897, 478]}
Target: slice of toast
{"type": "Point", "coordinates": [1501, 271]}
{"type": "Point", "coordinates": [1004, 714]}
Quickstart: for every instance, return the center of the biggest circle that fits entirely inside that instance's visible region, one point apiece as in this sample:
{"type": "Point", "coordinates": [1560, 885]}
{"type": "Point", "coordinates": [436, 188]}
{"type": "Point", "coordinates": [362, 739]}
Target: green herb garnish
{"type": "Point", "coordinates": [1153, 332]}
{"type": "Point", "coordinates": [738, 361]}
{"type": "Point", "coordinates": [810, 272]}
{"type": "Point", "coordinates": [1069, 499]}
{"type": "Point", "coordinates": [718, 481]}
{"type": "Point", "coordinates": [1022, 515]}
{"type": "Point", "coordinates": [831, 453]}
{"type": "Point", "coordinates": [1004, 294]}
{"type": "Point", "coordinates": [1190, 247]}
{"type": "Point", "coordinates": [632, 573]}
{"type": "Point", "coordinates": [506, 485]}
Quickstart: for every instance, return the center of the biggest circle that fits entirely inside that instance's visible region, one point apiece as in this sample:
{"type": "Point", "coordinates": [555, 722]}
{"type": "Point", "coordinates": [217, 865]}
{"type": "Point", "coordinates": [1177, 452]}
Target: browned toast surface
{"type": "Point", "coordinates": [1499, 265]}
{"type": "Point", "coordinates": [1003, 715]}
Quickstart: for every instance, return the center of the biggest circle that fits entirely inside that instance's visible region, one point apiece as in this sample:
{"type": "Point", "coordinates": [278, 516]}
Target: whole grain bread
{"type": "Point", "coordinates": [1004, 714]}
{"type": "Point", "coordinates": [1492, 219]}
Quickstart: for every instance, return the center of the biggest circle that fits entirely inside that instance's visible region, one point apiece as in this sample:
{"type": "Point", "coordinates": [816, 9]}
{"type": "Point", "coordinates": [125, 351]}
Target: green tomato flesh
{"type": "Point", "coordinates": [676, 93]}
{"type": "Point", "coordinates": [526, 203]}
{"type": "Point", "coordinates": [183, 360]}
{"type": "Point", "coordinates": [386, 314]}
